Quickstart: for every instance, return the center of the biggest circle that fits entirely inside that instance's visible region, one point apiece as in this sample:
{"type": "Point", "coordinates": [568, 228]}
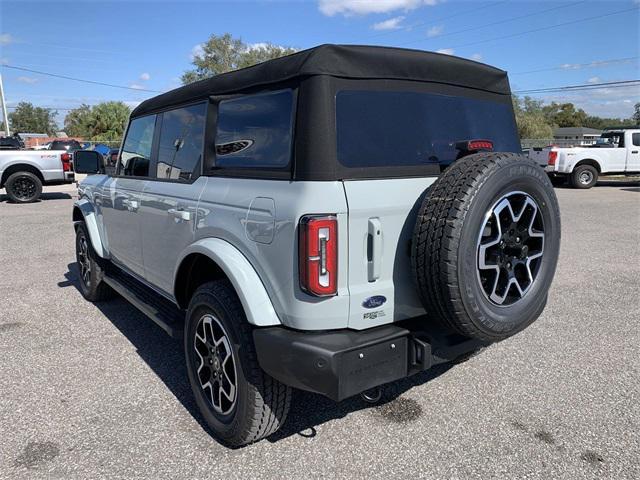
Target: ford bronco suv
{"type": "Point", "coordinates": [330, 221]}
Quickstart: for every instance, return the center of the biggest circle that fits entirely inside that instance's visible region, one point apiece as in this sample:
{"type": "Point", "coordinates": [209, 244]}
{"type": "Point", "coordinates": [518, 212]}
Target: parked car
{"type": "Point", "coordinates": [69, 145]}
{"type": "Point", "coordinates": [24, 172]}
{"type": "Point", "coordinates": [289, 221]}
{"type": "Point", "coordinates": [616, 152]}
{"type": "Point", "coordinates": [11, 143]}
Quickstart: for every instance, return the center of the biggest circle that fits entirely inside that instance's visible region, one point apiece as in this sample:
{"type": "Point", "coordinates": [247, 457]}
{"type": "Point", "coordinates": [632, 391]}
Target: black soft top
{"type": "Point", "coordinates": [345, 61]}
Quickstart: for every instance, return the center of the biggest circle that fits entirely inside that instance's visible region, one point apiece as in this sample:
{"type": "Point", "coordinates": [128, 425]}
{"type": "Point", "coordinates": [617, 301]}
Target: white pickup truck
{"type": "Point", "coordinates": [616, 152]}
{"type": "Point", "coordinates": [24, 172]}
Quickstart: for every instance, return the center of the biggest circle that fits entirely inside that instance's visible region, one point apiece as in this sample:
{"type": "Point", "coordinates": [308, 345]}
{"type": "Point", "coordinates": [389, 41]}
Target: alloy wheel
{"type": "Point", "coordinates": [510, 248]}
{"type": "Point", "coordinates": [84, 261]}
{"type": "Point", "coordinates": [24, 188]}
{"type": "Point", "coordinates": [215, 364]}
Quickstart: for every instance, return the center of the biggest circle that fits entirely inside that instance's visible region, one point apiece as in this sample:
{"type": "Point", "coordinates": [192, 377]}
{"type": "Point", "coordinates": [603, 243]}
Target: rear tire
{"type": "Point", "coordinates": [485, 245]}
{"type": "Point", "coordinates": [584, 176]}
{"type": "Point", "coordinates": [239, 401]}
{"type": "Point", "coordinates": [23, 187]}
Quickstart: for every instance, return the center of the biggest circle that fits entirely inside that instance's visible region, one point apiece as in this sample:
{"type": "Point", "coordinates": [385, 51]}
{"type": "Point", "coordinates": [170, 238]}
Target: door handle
{"type": "Point", "coordinates": [179, 214]}
{"type": "Point", "coordinates": [634, 151]}
{"type": "Point", "coordinates": [374, 249]}
{"type": "Point", "coordinates": [132, 205]}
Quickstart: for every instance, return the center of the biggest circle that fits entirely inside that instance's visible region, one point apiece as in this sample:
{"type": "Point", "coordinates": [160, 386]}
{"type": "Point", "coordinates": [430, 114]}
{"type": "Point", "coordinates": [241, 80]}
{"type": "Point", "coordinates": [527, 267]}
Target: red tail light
{"type": "Point", "coordinates": [66, 162]}
{"type": "Point", "coordinates": [318, 250]}
{"type": "Point", "coordinates": [553, 156]}
{"type": "Point", "coordinates": [479, 145]}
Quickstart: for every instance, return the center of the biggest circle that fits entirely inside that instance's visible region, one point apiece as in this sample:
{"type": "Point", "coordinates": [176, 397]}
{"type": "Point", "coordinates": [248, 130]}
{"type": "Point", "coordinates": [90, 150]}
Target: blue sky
{"type": "Point", "coordinates": [148, 44]}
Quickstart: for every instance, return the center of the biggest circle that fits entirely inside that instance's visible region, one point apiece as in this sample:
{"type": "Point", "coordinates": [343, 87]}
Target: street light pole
{"type": "Point", "coordinates": [5, 118]}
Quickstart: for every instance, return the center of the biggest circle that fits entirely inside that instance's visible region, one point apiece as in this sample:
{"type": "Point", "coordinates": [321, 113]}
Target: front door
{"type": "Point", "coordinates": [170, 200]}
{"type": "Point", "coordinates": [121, 195]}
{"type": "Point", "coordinates": [633, 153]}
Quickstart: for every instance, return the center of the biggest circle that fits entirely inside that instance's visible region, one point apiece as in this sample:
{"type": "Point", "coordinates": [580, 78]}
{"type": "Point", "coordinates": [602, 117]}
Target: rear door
{"type": "Point", "coordinates": [378, 129]}
{"type": "Point", "coordinates": [170, 198]}
{"type": "Point", "coordinates": [121, 195]}
{"type": "Point", "coordinates": [633, 152]}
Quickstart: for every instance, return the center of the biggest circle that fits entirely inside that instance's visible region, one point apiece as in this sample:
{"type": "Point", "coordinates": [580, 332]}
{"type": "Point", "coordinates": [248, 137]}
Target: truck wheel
{"type": "Point", "coordinates": [91, 285]}
{"type": "Point", "coordinates": [240, 402]}
{"type": "Point", "coordinates": [485, 245]}
{"type": "Point", "coordinates": [584, 176]}
{"type": "Point", "coordinates": [23, 187]}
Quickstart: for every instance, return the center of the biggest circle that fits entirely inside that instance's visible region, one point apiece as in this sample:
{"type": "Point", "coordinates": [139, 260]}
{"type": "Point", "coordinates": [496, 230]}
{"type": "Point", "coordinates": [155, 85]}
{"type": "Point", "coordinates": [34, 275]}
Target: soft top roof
{"type": "Point", "coordinates": [346, 61]}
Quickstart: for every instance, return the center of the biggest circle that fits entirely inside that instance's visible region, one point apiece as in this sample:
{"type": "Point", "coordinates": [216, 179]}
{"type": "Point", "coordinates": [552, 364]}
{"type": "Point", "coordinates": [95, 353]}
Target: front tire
{"type": "Point", "coordinates": [23, 187]}
{"type": "Point", "coordinates": [584, 176]}
{"type": "Point", "coordinates": [240, 402]}
{"type": "Point", "coordinates": [90, 271]}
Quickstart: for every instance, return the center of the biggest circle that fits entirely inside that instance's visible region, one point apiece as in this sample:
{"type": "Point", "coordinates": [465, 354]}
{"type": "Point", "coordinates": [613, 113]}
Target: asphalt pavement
{"type": "Point", "coordinates": [99, 391]}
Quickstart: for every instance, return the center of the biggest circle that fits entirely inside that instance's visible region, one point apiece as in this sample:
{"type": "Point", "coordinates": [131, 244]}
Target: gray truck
{"type": "Point", "coordinates": [24, 172]}
{"type": "Point", "coordinates": [330, 221]}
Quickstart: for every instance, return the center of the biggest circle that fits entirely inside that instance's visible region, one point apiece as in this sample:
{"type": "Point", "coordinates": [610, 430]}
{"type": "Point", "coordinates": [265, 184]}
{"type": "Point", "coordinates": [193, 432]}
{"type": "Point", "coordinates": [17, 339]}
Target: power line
{"type": "Point", "coordinates": [575, 66]}
{"type": "Point", "coordinates": [434, 22]}
{"type": "Point", "coordinates": [78, 79]}
{"type": "Point", "coordinates": [548, 27]}
{"type": "Point", "coordinates": [499, 22]}
{"type": "Point", "coordinates": [584, 86]}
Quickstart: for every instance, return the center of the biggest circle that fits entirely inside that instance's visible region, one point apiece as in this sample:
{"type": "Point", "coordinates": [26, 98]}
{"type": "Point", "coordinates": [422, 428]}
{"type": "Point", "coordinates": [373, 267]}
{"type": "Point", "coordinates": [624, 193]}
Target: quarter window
{"type": "Point", "coordinates": [136, 151]}
{"type": "Point", "coordinates": [181, 143]}
{"type": "Point", "coordinates": [635, 139]}
{"type": "Point", "coordinates": [255, 131]}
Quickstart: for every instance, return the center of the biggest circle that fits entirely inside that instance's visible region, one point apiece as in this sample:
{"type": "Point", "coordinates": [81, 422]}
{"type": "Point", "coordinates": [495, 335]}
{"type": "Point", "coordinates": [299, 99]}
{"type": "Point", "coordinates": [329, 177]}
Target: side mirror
{"type": "Point", "coordinates": [87, 161]}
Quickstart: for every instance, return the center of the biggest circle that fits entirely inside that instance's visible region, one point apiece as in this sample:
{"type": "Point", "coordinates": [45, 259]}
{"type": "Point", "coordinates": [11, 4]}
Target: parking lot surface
{"type": "Point", "coordinates": [90, 391]}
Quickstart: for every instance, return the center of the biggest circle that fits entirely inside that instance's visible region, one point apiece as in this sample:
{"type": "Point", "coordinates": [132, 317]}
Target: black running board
{"type": "Point", "coordinates": [163, 312]}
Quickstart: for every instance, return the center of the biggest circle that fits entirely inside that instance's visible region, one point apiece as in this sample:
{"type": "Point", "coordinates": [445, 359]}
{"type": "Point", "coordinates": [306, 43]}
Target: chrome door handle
{"type": "Point", "coordinates": [179, 214]}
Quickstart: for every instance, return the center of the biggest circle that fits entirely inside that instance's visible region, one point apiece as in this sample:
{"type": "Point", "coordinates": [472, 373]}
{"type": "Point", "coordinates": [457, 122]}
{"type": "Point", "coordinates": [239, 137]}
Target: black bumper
{"type": "Point", "coordinates": [343, 363]}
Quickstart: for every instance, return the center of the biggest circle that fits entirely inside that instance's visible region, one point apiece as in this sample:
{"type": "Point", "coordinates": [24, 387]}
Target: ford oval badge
{"type": "Point", "coordinates": [374, 302]}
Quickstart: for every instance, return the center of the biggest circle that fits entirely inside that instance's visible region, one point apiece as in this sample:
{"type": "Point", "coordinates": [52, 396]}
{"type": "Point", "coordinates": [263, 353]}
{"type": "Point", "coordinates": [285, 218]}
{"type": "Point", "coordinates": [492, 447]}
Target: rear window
{"type": "Point", "coordinates": [255, 131]}
{"type": "Point", "coordinates": [70, 145]}
{"type": "Point", "coordinates": [382, 128]}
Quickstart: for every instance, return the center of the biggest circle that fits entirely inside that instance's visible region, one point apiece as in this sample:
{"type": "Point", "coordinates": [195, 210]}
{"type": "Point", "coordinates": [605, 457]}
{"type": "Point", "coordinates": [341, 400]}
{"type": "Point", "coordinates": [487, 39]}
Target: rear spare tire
{"type": "Point", "coordinates": [485, 245]}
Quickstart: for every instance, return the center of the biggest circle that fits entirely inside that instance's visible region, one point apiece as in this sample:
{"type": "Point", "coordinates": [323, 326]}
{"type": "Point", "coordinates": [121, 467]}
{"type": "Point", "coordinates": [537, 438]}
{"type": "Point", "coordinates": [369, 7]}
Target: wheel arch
{"type": "Point", "coordinates": [213, 258]}
{"type": "Point", "coordinates": [589, 161]}
{"type": "Point", "coordinates": [83, 212]}
{"type": "Point", "coordinates": [20, 167]}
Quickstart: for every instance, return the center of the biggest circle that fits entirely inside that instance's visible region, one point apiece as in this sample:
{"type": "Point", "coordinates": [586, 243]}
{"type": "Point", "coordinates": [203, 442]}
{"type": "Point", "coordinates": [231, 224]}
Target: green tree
{"type": "Point", "coordinates": [636, 113]}
{"type": "Point", "coordinates": [27, 118]}
{"type": "Point", "coordinates": [530, 118]}
{"type": "Point", "coordinates": [564, 115]}
{"type": "Point", "coordinates": [224, 53]}
{"type": "Point", "coordinates": [76, 123]}
{"type": "Point", "coordinates": [107, 121]}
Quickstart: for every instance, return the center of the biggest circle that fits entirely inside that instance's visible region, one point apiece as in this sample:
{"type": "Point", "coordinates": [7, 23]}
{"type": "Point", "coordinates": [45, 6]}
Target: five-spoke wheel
{"type": "Point", "coordinates": [510, 248]}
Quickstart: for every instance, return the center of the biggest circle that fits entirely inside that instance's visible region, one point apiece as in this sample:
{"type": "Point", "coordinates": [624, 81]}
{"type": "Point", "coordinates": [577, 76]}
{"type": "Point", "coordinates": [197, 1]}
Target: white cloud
{"type": "Point", "coordinates": [196, 51]}
{"type": "Point", "coordinates": [4, 61]}
{"type": "Point", "coordinates": [594, 80]}
{"type": "Point", "coordinates": [29, 80]}
{"type": "Point", "coordinates": [363, 7]}
{"type": "Point", "coordinates": [257, 45]}
{"type": "Point", "coordinates": [6, 39]}
{"type": "Point", "coordinates": [145, 76]}
{"type": "Point", "coordinates": [476, 56]}
{"type": "Point", "coordinates": [136, 86]}
{"type": "Point", "coordinates": [603, 102]}
{"type": "Point", "coordinates": [390, 24]}
{"type": "Point", "coordinates": [446, 51]}
{"type": "Point", "coordinates": [435, 31]}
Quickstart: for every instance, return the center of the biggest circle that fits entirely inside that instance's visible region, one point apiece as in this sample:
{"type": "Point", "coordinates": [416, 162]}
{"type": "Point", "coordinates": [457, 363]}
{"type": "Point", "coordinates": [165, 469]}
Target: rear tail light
{"type": "Point", "coordinates": [66, 162]}
{"type": "Point", "coordinates": [553, 156]}
{"type": "Point", "coordinates": [479, 145]}
{"type": "Point", "coordinates": [318, 250]}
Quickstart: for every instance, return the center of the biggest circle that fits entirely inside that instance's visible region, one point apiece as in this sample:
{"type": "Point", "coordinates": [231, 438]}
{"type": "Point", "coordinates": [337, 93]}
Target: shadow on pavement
{"type": "Point", "coordinates": [165, 357]}
{"type": "Point", "coordinates": [44, 196]}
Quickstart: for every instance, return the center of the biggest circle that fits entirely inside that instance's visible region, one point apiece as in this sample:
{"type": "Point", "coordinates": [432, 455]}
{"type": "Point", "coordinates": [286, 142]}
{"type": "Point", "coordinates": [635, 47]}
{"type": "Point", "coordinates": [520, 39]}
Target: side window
{"type": "Point", "coordinates": [181, 143]}
{"type": "Point", "coordinates": [255, 131]}
{"type": "Point", "coordinates": [136, 151]}
{"type": "Point", "coordinates": [635, 139]}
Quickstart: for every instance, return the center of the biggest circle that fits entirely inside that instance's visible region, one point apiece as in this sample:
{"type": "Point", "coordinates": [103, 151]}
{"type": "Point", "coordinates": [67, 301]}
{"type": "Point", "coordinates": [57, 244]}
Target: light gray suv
{"type": "Point", "coordinates": [331, 221]}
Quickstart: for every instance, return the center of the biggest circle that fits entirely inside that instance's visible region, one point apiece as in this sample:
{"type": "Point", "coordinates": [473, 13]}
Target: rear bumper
{"type": "Point", "coordinates": [343, 363]}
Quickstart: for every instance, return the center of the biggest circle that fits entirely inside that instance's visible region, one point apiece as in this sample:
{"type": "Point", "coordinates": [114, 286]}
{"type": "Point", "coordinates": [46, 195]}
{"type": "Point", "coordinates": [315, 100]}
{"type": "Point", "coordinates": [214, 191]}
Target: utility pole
{"type": "Point", "coordinates": [5, 118]}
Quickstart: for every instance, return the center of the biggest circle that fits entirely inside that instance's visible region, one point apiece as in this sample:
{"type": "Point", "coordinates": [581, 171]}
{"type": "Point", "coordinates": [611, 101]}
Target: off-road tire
{"type": "Point", "coordinates": [92, 286]}
{"type": "Point", "coordinates": [445, 244]}
{"type": "Point", "coordinates": [262, 403]}
{"type": "Point", "coordinates": [16, 190]}
{"type": "Point", "coordinates": [581, 170]}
